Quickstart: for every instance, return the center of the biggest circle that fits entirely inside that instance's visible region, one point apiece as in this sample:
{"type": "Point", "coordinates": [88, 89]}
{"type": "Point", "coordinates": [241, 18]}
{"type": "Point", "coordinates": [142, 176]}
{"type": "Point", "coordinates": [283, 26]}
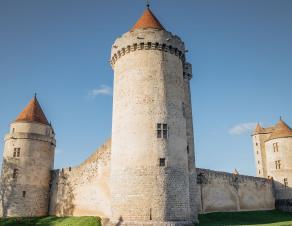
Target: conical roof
{"type": "Point", "coordinates": [148, 20]}
{"type": "Point", "coordinates": [258, 129]}
{"type": "Point", "coordinates": [281, 130]}
{"type": "Point", "coordinates": [32, 113]}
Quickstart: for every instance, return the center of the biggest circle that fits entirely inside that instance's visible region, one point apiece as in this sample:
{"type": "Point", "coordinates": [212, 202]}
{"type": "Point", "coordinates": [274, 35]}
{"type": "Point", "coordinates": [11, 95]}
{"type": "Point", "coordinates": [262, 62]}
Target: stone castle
{"type": "Point", "coordinates": [145, 174]}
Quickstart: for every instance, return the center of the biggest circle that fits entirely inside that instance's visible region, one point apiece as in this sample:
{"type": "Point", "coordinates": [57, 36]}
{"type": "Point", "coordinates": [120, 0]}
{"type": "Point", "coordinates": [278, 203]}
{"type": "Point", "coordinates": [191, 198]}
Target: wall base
{"type": "Point", "coordinates": [151, 223]}
{"type": "Point", "coordinates": [284, 205]}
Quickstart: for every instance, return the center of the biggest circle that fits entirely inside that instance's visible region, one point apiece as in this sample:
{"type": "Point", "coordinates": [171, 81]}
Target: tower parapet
{"type": "Point", "coordinates": [147, 39]}
{"type": "Point", "coordinates": [27, 160]}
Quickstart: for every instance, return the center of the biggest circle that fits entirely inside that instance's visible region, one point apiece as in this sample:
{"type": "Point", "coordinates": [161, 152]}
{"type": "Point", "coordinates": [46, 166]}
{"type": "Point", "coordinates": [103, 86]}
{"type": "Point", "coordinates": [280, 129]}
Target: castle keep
{"type": "Point", "coordinates": [145, 174]}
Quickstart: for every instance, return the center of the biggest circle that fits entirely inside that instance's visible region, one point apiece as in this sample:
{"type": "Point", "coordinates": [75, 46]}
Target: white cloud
{"type": "Point", "coordinates": [101, 90]}
{"type": "Point", "coordinates": [242, 128]}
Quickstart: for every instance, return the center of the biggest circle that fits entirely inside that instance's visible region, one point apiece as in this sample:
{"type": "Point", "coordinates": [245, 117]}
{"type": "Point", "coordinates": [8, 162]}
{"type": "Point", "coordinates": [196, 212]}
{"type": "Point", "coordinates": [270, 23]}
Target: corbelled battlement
{"type": "Point", "coordinates": [147, 39]}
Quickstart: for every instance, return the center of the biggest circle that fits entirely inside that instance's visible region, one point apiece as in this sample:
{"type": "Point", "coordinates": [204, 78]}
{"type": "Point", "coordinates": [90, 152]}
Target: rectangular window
{"type": "Point", "coordinates": [23, 194]}
{"type": "Point", "coordinates": [276, 147]}
{"type": "Point", "coordinates": [162, 130]}
{"type": "Point", "coordinates": [286, 182]}
{"type": "Point", "coordinates": [278, 164]}
{"type": "Point", "coordinates": [162, 162]}
{"type": "Point", "coordinates": [15, 173]}
{"type": "Point", "coordinates": [16, 152]}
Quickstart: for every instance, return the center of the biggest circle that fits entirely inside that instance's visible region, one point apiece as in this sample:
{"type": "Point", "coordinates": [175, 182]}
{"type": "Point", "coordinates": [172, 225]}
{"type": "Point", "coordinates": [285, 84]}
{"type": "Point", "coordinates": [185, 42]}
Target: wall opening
{"type": "Point", "coordinates": [162, 162]}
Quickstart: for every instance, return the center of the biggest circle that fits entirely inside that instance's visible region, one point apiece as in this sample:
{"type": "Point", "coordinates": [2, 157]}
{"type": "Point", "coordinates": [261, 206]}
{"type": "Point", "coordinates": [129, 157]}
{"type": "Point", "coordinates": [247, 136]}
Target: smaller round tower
{"type": "Point", "coordinates": [27, 160]}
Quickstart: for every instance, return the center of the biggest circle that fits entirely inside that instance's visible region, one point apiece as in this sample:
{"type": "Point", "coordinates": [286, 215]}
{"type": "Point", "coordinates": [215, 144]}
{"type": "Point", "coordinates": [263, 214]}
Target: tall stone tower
{"type": "Point", "coordinates": [27, 160]}
{"type": "Point", "coordinates": [152, 134]}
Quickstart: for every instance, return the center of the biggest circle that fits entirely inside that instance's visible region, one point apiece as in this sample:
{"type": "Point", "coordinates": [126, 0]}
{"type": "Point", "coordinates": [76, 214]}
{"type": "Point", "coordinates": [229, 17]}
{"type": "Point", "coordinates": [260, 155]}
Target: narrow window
{"type": "Point", "coordinates": [162, 162]}
{"type": "Point", "coordinates": [259, 172]}
{"type": "Point", "coordinates": [159, 130]}
{"type": "Point", "coordinates": [258, 162]}
{"type": "Point", "coordinates": [23, 194]}
{"type": "Point", "coordinates": [149, 45]}
{"type": "Point", "coordinates": [286, 182]}
{"type": "Point", "coordinates": [184, 109]}
{"type": "Point", "coordinates": [70, 168]}
{"type": "Point", "coordinates": [278, 164]}
{"type": "Point", "coordinates": [188, 149]}
{"type": "Point", "coordinates": [14, 152]}
{"type": "Point", "coordinates": [15, 173]}
{"type": "Point", "coordinates": [18, 152]}
{"type": "Point", "coordinates": [257, 152]}
{"type": "Point", "coordinates": [165, 131]}
{"type": "Point", "coordinates": [276, 147]}
{"type": "Point", "coordinates": [257, 144]}
{"type": "Point", "coordinates": [13, 130]}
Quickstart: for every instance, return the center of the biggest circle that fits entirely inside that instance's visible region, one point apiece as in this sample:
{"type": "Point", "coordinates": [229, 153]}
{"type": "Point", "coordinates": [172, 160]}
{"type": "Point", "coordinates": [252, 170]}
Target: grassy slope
{"type": "Point", "coordinates": [246, 218]}
{"type": "Point", "coordinates": [52, 221]}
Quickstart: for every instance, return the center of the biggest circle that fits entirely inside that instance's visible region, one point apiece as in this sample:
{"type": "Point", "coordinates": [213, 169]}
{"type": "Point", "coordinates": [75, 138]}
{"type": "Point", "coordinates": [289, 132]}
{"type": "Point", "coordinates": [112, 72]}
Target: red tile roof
{"type": "Point", "coordinates": [281, 130]}
{"type": "Point", "coordinates": [32, 113]}
{"type": "Point", "coordinates": [148, 20]}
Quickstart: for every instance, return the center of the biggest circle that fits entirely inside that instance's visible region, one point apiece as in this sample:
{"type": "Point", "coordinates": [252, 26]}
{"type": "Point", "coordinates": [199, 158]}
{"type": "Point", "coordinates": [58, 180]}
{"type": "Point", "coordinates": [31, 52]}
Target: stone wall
{"type": "Point", "coordinates": [221, 192]}
{"type": "Point", "coordinates": [83, 190]}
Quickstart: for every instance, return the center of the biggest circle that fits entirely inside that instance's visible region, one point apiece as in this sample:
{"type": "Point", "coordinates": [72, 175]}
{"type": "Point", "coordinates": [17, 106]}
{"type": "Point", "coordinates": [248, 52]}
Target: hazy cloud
{"type": "Point", "coordinates": [58, 151]}
{"type": "Point", "coordinates": [242, 128]}
{"type": "Point", "coordinates": [101, 90]}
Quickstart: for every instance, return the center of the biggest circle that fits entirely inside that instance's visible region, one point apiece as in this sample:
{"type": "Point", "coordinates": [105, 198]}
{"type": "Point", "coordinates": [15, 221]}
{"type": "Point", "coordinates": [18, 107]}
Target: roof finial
{"type": "Point", "coordinates": [35, 95]}
{"type": "Point", "coordinates": [280, 117]}
{"type": "Point", "coordinates": [147, 4]}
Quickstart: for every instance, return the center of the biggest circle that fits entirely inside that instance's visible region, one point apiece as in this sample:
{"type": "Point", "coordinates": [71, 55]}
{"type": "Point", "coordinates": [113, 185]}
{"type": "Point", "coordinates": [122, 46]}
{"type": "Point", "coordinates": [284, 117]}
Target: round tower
{"type": "Point", "coordinates": [149, 159]}
{"type": "Point", "coordinates": [27, 160]}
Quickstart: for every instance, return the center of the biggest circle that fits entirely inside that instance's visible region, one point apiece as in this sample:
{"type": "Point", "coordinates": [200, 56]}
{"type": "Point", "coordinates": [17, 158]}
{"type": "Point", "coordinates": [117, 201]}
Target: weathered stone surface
{"type": "Point", "coordinates": [27, 194]}
{"type": "Point", "coordinates": [220, 191]}
{"type": "Point", "coordinates": [83, 190]}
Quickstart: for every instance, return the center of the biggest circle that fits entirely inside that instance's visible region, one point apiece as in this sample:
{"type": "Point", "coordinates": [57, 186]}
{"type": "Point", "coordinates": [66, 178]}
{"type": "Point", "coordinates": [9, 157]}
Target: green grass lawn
{"type": "Point", "coordinates": [52, 221]}
{"type": "Point", "coordinates": [272, 217]}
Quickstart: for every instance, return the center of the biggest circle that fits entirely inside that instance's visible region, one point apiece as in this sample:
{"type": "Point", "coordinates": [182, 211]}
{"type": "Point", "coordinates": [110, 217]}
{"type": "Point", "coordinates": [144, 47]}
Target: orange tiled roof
{"type": "Point", "coordinates": [32, 113]}
{"type": "Point", "coordinates": [281, 130]}
{"type": "Point", "coordinates": [148, 20]}
{"type": "Point", "coordinates": [260, 130]}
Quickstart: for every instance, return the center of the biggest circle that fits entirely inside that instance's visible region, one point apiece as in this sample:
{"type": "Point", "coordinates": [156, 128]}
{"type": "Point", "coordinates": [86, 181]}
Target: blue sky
{"type": "Point", "coordinates": [241, 53]}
